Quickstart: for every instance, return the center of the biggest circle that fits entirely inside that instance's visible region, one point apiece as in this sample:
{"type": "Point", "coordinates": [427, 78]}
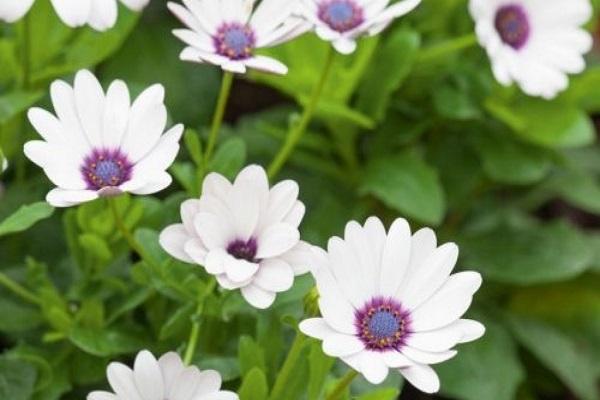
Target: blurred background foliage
{"type": "Point", "coordinates": [412, 125]}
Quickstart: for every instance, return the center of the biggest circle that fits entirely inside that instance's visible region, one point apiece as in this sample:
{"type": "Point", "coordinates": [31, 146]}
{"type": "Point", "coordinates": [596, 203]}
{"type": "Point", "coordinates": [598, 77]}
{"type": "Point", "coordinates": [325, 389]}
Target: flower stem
{"type": "Point", "coordinates": [217, 121]}
{"type": "Point", "coordinates": [298, 130]}
{"type": "Point", "coordinates": [342, 385]}
{"type": "Point", "coordinates": [126, 233]}
{"type": "Point", "coordinates": [447, 47]}
{"type": "Point", "coordinates": [190, 349]}
{"type": "Point", "coordinates": [19, 290]}
{"type": "Point", "coordinates": [288, 368]}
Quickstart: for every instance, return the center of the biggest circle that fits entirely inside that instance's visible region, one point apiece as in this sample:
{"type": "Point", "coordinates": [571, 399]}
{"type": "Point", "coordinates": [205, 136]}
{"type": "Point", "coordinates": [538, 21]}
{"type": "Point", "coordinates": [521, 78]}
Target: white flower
{"type": "Point", "coordinates": [99, 14]}
{"type": "Point", "coordinates": [534, 43]}
{"type": "Point", "coordinates": [227, 32]}
{"type": "Point", "coordinates": [389, 301]}
{"type": "Point", "coordinates": [101, 145]}
{"type": "Point", "coordinates": [343, 21]}
{"type": "Point", "coordinates": [244, 234]}
{"type": "Point", "coordinates": [165, 379]}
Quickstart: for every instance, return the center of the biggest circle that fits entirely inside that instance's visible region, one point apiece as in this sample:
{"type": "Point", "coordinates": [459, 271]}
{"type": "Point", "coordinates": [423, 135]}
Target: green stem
{"type": "Point", "coordinates": [21, 164]}
{"type": "Point", "coordinates": [19, 290]}
{"type": "Point", "coordinates": [288, 369]}
{"type": "Point", "coordinates": [446, 48]}
{"type": "Point", "coordinates": [126, 233]}
{"type": "Point", "coordinates": [342, 385]}
{"type": "Point", "coordinates": [217, 121]}
{"type": "Point", "coordinates": [190, 349]}
{"type": "Point", "coordinates": [298, 130]}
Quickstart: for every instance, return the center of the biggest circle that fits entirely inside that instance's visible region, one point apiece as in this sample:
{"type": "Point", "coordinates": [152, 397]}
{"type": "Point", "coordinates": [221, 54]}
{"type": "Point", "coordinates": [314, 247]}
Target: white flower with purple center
{"type": "Point", "coordinates": [535, 43]}
{"type": "Point", "coordinates": [388, 300]}
{"type": "Point", "coordinates": [244, 233]}
{"type": "Point", "coordinates": [228, 32]}
{"type": "Point", "coordinates": [164, 379]}
{"type": "Point", "coordinates": [343, 21]}
{"type": "Point", "coordinates": [100, 144]}
{"type": "Point", "coordinates": [99, 14]}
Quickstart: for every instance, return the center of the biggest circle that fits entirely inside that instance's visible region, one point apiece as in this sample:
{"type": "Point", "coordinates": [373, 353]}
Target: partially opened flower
{"type": "Point", "coordinates": [243, 233]}
{"type": "Point", "coordinates": [99, 14]}
{"type": "Point", "coordinates": [101, 145]}
{"type": "Point", "coordinates": [343, 21]}
{"type": "Point", "coordinates": [534, 43]}
{"type": "Point", "coordinates": [228, 32]}
{"type": "Point", "coordinates": [388, 301]}
{"type": "Point", "coordinates": [163, 379]}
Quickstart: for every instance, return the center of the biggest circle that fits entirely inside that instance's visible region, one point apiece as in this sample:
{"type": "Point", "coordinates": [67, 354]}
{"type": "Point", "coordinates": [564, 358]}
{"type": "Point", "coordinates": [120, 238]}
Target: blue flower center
{"type": "Point", "coordinates": [383, 324]}
{"type": "Point", "coordinates": [512, 24]}
{"type": "Point", "coordinates": [243, 250]}
{"type": "Point", "coordinates": [340, 15]}
{"type": "Point", "coordinates": [106, 168]}
{"type": "Point", "coordinates": [108, 171]}
{"type": "Point", "coordinates": [235, 41]}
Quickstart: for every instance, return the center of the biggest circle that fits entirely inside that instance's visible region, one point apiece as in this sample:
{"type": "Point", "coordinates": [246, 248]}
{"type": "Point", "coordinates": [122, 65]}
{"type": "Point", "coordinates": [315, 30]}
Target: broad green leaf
{"type": "Point", "coordinates": [96, 246]}
{"type": "Point", "coordinates": [488, 368]}
{"type": "Point", "coordinates": [319, 366]}
{"type": "Point", "coordinates": [560, 354]}
{"type": "Point", "coordinates": [25, 218]}
{"type": "Point", "coordinates": [17, 317]}
{"type": "Point", "coordinates": [381, 394]}
{"type": "Point", "coordinates": [178, 322]}
{"type": "Point", "coordinates": [577, 187]}
{"type": "Point", "coordinates": [528, 255]}
{"type": "Point", "coordinates": [229, 157]}
{"type": "Point", "coordinates": [9, 66]}
{"type": "Point", "coordinates": [193, 145]}
{"type": "Point", "coordinates": [250, 355]}
{"type": "Point", "coordinates": [14, 103]}
{"type": "Point", "coordinates": [453, 103]}
{"type": "Point", "coordinates": [17, 379]}
{"type": "Point", "coordinates": [254, 386]}
{"type": "Point", "coordinates": [108, 341]}
{"type": "Point", "coordinates": [408, 185]}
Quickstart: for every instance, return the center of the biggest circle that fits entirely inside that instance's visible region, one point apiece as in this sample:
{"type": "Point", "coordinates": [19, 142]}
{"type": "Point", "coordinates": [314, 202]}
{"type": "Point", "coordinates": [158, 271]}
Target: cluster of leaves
{"type": "Point", "coordinates": [413, 125]}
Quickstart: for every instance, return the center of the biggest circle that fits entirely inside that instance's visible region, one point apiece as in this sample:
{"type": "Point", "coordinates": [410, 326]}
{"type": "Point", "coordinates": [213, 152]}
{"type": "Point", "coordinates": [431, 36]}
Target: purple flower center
{"type": "Point", "coordinates": [235, 41]}
{"type": "Point", "coordinates": [243, 250]}
{"type": "Point", "coordinates": [106, 168]}
{"type": "Point", "coordinates": [382, 324]}
{"type": "Point", "coordinates": [512, 25]}
{"type": "Point", "coordinates": [341, 15]}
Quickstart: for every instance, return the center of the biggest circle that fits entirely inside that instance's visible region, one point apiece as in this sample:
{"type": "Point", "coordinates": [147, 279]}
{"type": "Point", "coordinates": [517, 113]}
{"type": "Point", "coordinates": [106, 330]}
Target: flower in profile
{"type": "Point", "coordinates": [99, 14]}
{"type": "Point", "coordinates": [163, 379]}
{"type": "Point", "coordinates": [99, 144]}
{"type": "Point", "coordinates": [244, 233]}
{"type": "Point", "coordinates": [228, 33]}
{"type": "Point", "coordinates": [388, 300]}
{"type": "Point", "coordinates": [341, 22]}
{"type": "Point", "coordinates": [534, 44]}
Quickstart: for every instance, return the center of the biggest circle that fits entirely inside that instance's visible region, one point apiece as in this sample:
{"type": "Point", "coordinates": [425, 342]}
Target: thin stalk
{"type": "Point", "coordinates": [298, 130]}
{"type": "Point", "coordinates": [217, 122]}
{"type": "Point", "coordinates": [287, 370]}
{"type": "Point", "coordinates": [19, 290]}
{"type": "Point", "coordinates": [190, 349]}
{"type": "Point", "coordinates": [446, 48]}
{"type": "Point", "coordinates": [342, 385]}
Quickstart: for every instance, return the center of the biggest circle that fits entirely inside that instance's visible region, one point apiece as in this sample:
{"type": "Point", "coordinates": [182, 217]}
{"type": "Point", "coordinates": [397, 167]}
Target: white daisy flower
{"type": "Point", "coordinates": [343, 21]}
{"type": "Point", "coordinates": [228, 32]}
{"type": "Point", "coordinates": [534, 43]}
{"type": "Point", "coordinates": [163, 379]}
{"type": "Point", "coordinates": [243, 233]}
{"type": "Point", "coordinates": [99, 14]}
{"type": "Point", "coordinates": [101, 145]}
{"type": "Point", "coordinates": [388, 301]}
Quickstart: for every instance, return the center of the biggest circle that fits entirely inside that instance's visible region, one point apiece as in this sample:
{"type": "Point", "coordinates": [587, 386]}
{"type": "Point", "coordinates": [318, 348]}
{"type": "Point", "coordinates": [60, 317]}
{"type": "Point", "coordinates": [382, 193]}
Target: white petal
{"type": "Point", "coordinates": [239, 270]}
{"type": "Point", "coordinates": [171, 366]}
{"type": "Point", "coordinates": [103, 14]}
{"type": "Point", "coordinates": [73, 13]}
{"type": "Point", "coordinates": [422, 377]}
{"type": "Point", "coordinates": [316, 328]}
{"type": "Point", "coordinates": [396, 257]}
{"type": "Point", "coordinates": [172, 239]}
{"type": "Point", "coordinates": [299, 258]}
{"type": "Point", "coordinates": [258, 297]}
{"type": "Point", "coordinates": [116, 114]}
{"type": "Point", "coordinates": [98, 395]}
{"type": "Point", "coordinates": [276, 240]}
{"type": "Point", "coordinates": [122, 382]}
{"type": "Point", "coordinates": [274, 275]}
{"type": "Point", "coordinates": [13, 10]}
{"type": "Point", "coordinates": [373, 367]}
{"type": "Point", "coordinates": [195, 249]}
{"type": "Point", "coordinates": [267, 64]}
{"type": "Point", "coordinates": [426, 357]}
{"type": "Point", "coordinates": [208, 382]}
{"type": "Point", "coordinates": [135, 5]}
{"type": "Point", "coordinates": [148, 376]}
{"type": "Point", "coordinates": [68, 198]}
{"type": "Point", "coordinates": [185, 384]}
{"type": "Point", "coordinates": [340, 345]}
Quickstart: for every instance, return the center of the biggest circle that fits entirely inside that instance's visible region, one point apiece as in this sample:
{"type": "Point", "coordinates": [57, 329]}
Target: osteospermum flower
{"type": "Point", "coordinates": [243, 233]}
{"type": "Point", "coordinates": [534, 43]}
{"type": "Point", "coordinates": [163, 379]}
{"type": "Point", "coordinates": [228, 32]}
{"type": "Point", "coordinates": [343, 21]}
{"type": "Point", "coordinates": [388, 301]}
{"type": "Point", "coordinates": [101, 145]}
{"type": "Point", "coordinates": [99, 14]}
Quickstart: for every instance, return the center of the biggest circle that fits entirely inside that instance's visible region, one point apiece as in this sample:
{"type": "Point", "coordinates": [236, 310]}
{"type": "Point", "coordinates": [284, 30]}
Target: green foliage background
{"type": "Point", "coordinates": [411, 125]}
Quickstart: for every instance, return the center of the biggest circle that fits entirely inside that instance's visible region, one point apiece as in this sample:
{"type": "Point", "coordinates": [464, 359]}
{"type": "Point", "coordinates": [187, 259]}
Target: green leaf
{"type": "Point", "coordinates": [178, 322]}
{"type": "Point", "coordinates": [17, 317]}
{"type": "Point", "coordinates": [15, 103]}
{"type": "Point", "coordinates": [254, 386]}
{"type": "Point", "coordinates": [560, 354]}
{"type": "Point", "coordinates": [488, 368]}
{"type": "Point", "coordinates": [229, 158]}
{"type": "Point", "coordinates": [319, 366]}
{"type": "Point", "coordinates": [387, 72]}
{"type": "Point", "coordinates": [407, 184]}
{"type": "Point", "coordinates": [193, 145]}
{"type": "Point", "coordinates": [453, 103]}
{"type": "Point", "coordinates": [17, 379]}
{"type": "Point", "coordinates": [250, 355]}
{"type": "Point", "coordinates": [96, 246]}
{"type": "Point", "coordinates": [381, 394]}
{"type": "Point", "coordinates": [25, 218]}
{"type": "Point", "coordinates": [528, 255]}
{"type": "Point", "coordinates": [108, 341]}
{"type": "Point", "coordinates": [577, 187]}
